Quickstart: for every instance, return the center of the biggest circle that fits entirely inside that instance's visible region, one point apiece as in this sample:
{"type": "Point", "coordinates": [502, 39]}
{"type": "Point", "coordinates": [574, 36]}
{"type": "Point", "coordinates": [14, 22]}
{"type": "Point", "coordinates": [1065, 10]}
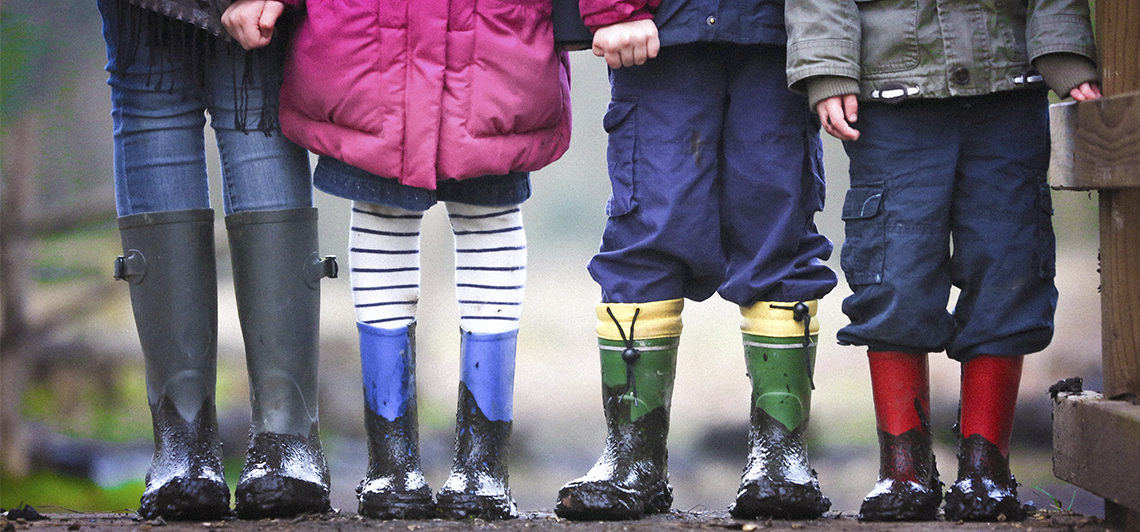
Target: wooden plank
{"type": "Point", "coordinates": [1096, 445]}
{"type": "Point", "coordinates": [1107, 142]}
{"type": "Point", "coordinates": [1063, 146]}
{"type": "Point", "coordinates": [1095, 144]}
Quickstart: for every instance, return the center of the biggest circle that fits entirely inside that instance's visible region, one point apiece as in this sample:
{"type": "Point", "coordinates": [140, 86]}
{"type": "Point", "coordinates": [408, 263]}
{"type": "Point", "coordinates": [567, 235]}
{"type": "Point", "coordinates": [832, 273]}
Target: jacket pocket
{"type": "Point", "coordinates": [864, 248]}
{"type": "Point", "coordinates": [889, 35]}
{"type": "Point", "coordinates": [620, 124]}
{"type": "Point", "coordinates": [516, 76]}
{"type": "Point", "coordinates": [1011, 22]}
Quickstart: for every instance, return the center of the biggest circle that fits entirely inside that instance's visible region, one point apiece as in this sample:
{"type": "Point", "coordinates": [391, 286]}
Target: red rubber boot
{"type": "Point", "coordinates": [985, 489]}
{"type": "Point", "coordinates": [908, 488]}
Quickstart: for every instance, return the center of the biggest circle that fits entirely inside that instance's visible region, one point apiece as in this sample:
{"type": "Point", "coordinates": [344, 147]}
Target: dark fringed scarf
{"type": "Point", "coordinates": [192, 38]}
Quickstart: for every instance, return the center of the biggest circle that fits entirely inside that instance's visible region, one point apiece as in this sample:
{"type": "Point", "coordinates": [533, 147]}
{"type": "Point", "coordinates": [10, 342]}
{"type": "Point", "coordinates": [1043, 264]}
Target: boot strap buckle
{"type": "Point", "coordinates": [318, 268]}
{"type": "Point", "coordinates": [130, 267]}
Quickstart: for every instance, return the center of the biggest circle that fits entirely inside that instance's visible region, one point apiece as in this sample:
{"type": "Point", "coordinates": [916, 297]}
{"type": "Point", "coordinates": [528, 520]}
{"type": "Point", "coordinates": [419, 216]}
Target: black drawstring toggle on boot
{"type": "Point", "coordinates": [801, 312]}
{"type": "Point", "coordinates": [630, 355]}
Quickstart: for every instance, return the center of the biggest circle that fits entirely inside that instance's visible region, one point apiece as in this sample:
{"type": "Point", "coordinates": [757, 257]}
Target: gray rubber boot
{"type": "Point", "coordinates": [168, 259]}
{"type": "Point", "coordinates": [276, 278]}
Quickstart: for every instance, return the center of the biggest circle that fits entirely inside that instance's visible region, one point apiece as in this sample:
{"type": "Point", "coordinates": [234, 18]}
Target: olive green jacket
{"type": "Point", "coordinates": [898, 49]}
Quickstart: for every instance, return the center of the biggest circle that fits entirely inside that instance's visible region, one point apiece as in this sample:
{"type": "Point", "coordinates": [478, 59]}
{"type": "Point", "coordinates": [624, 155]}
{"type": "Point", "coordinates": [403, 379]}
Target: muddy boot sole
{"type": "Point", "coordinates": [779, 500]}
{"type": "Point", "coordinates": [972, 500]}
{"type": "Point", "coordinates": [390, 505]}
{"type": "Point", "coordinates": [187, 499]}
{"type": "Point", "coordinates": [606, 501]}
{"type": "Point", "coordinates": [902, 505]}
{"type": "Point", "coordinates": [275, 495]}
{"type": "Point", "coordinates": [459, 506]}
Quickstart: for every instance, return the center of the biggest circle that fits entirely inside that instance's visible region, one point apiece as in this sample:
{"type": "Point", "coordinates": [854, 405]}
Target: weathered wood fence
{"type": "Point", "coordinates": [1096, 438]}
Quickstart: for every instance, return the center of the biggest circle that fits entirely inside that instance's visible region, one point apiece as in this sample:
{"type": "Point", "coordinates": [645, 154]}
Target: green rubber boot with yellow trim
{"type": "Point", "coordinates": [638, 345]}
{"type": "Point", "coordinates": [779, 349]}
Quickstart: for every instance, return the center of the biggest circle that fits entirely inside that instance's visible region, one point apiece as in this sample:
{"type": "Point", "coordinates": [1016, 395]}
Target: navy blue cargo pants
{"type": "Point", "coordinates": [716, 170]}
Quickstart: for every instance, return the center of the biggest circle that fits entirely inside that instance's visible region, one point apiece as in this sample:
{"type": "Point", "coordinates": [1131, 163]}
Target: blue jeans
{"type": "Point", "coordinates": [716, 169]}
{"type": "Point", "coordinates": [950, 193]}
{"type": "Point", "coordinates": [159, 138]}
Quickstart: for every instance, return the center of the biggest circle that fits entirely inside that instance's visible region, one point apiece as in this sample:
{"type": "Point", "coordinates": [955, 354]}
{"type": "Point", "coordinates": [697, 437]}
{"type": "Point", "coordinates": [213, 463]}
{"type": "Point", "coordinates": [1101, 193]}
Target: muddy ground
{"type": "Point", "coordinates": [677, 520]}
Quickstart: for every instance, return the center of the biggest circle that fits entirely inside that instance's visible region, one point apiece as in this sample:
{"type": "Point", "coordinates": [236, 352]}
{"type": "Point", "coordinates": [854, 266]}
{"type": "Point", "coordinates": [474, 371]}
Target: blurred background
{"type": "Point", "coordinates": [75, 428]}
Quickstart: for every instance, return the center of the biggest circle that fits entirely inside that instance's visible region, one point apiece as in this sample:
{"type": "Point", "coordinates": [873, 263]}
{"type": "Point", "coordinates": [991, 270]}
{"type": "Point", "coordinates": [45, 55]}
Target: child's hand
{"type": "Point", "coordinates": [837, 113]}
{"type": "Point", "coordinates": [250, 22]}
{"type": "Point", "coordinates": [1085, 91]}
{"type": "Point", "coordinates": [627, 43]}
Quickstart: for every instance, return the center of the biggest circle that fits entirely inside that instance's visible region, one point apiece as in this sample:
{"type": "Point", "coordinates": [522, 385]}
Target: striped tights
{"type": "Point", "coordinates": [490, 265]}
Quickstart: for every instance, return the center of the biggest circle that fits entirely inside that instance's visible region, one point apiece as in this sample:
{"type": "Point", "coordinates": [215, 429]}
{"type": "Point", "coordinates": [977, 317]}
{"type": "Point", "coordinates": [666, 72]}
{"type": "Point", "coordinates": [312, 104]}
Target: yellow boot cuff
{"type": "Point", "coordinates": [656, 319]}
{"type": "Point", "coordinates": [761, 319]}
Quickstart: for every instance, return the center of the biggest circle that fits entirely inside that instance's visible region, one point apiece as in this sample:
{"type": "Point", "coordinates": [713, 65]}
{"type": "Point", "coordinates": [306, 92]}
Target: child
{"type": "Point", "coordinates": [952, 147]}
{"type": "Point", "coordinates": [169, 67]}
{"type": "Point", "coordinates": [716, 173]}
{"type": "Point", "coordinates": [410, 103]}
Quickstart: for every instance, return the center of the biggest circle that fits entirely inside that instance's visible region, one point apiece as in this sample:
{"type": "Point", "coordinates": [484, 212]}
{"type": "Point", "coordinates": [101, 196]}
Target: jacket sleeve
{"type": "Point", "coordinates": [1059, 26]}
{"type": "Point", "coordinates": [823, 40]}
{"type": "Point", "coordinates": [1064, 71]}
{"type": "Point", "coordinates": [601, 13]}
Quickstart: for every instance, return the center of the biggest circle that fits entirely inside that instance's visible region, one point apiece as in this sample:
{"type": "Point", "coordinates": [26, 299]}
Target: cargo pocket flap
{"type": "Point", "coordinates": [620, 125]}
{"type": "Point", "coordinates": [862, 203]}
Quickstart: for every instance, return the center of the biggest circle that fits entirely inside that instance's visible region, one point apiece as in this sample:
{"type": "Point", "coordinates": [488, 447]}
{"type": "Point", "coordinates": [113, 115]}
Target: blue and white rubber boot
{"type": "Point", "coordinates": [477, 486]}
{"type": "Point", "coordinates": [395, 487]}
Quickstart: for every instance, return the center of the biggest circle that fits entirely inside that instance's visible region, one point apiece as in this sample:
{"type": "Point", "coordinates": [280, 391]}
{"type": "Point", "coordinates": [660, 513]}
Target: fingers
{"type": "Point", "coordinates": [629, 54]}
{"type": "Point", "coordinates": [851, 109]}
{"type": "Point", "coordinates": [243, 20]}
{"type": "Point", "coordinates": [1086, 91]}
{"type": "Point", "coordinates": [269, 16]}
{"type": "Point", "coordinates": [834, 114]}
{"type": "Point", "coordinates": [627, 44]}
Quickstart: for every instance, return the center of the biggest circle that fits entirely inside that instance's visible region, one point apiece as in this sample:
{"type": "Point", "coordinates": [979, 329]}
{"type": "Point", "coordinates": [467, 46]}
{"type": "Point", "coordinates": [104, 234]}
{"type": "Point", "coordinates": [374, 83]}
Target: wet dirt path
{"type": "Point", "coordinates": [676, 520]}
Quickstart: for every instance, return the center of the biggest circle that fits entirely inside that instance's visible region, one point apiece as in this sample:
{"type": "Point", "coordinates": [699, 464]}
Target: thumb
{"type": "Point", "coordinates": [269, 15]}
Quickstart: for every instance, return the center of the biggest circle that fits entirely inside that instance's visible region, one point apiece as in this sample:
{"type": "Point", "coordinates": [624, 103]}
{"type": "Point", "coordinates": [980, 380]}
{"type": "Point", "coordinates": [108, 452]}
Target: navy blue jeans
{"type": "Point", "coordinates": [160, 142]}
{"type": "Point", "coordinates": [716, 169]}
{"type": "Point", "coordinates": [950, 193]}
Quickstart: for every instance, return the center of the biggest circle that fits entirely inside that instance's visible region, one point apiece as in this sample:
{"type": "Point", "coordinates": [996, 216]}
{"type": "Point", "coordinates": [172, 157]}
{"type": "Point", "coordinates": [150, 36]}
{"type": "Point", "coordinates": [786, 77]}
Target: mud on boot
{"type": "Point", "coordinates": [908, 488]}
{"type": "Point", "coordinates": [169, 262]}
{"type": "Point", "coordinates": [284, 475]}
{"type": "Point", "coordinates": [779, 350]}
{"type": "Point", "coordinates": [631, 478]}
{"type": "Point", "coordinates": [394, 487]}
{"type": "Point", "coordinates": [478, 486]}
{"type": "Point", "coordinates": [778, 482]}
{"type": "Point", "coordinates": [185, 480]}
{"type": "Point", "coordinates": [277, 273]}
{"type": "Point", "coordinates": [985, 489]}
{"type": "Point", "coordinates": [606, 500]}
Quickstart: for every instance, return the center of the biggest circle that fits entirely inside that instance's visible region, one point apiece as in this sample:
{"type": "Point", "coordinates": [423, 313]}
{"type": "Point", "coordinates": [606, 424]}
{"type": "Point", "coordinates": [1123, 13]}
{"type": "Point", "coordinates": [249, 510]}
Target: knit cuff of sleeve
{"type": "Point", "coordinates": [1065, 71]}
{"type": "Point", "coordinates": [622, 13]}
{"type": "Point", "coordinates": [820, 88]}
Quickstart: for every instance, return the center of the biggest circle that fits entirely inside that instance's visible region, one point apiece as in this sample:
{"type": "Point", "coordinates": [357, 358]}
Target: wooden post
{"type": "Point", "coordinates": [1097, 146]}
{"type": "Point", "coordinates": [1118, 38]}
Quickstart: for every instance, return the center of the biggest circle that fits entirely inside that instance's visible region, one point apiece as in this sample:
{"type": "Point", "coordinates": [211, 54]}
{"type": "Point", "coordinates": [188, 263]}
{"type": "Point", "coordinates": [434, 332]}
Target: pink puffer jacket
{"type": "Point", "coordinates": [423, 90]}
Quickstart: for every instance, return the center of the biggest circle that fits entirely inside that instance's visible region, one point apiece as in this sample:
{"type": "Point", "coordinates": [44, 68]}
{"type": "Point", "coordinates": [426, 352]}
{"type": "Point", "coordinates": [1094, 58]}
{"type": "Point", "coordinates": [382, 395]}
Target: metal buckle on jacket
{"type": "Point", "coordinates": [894, 92]}
{"type": "Point", "coordinates": [1030, 76]}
